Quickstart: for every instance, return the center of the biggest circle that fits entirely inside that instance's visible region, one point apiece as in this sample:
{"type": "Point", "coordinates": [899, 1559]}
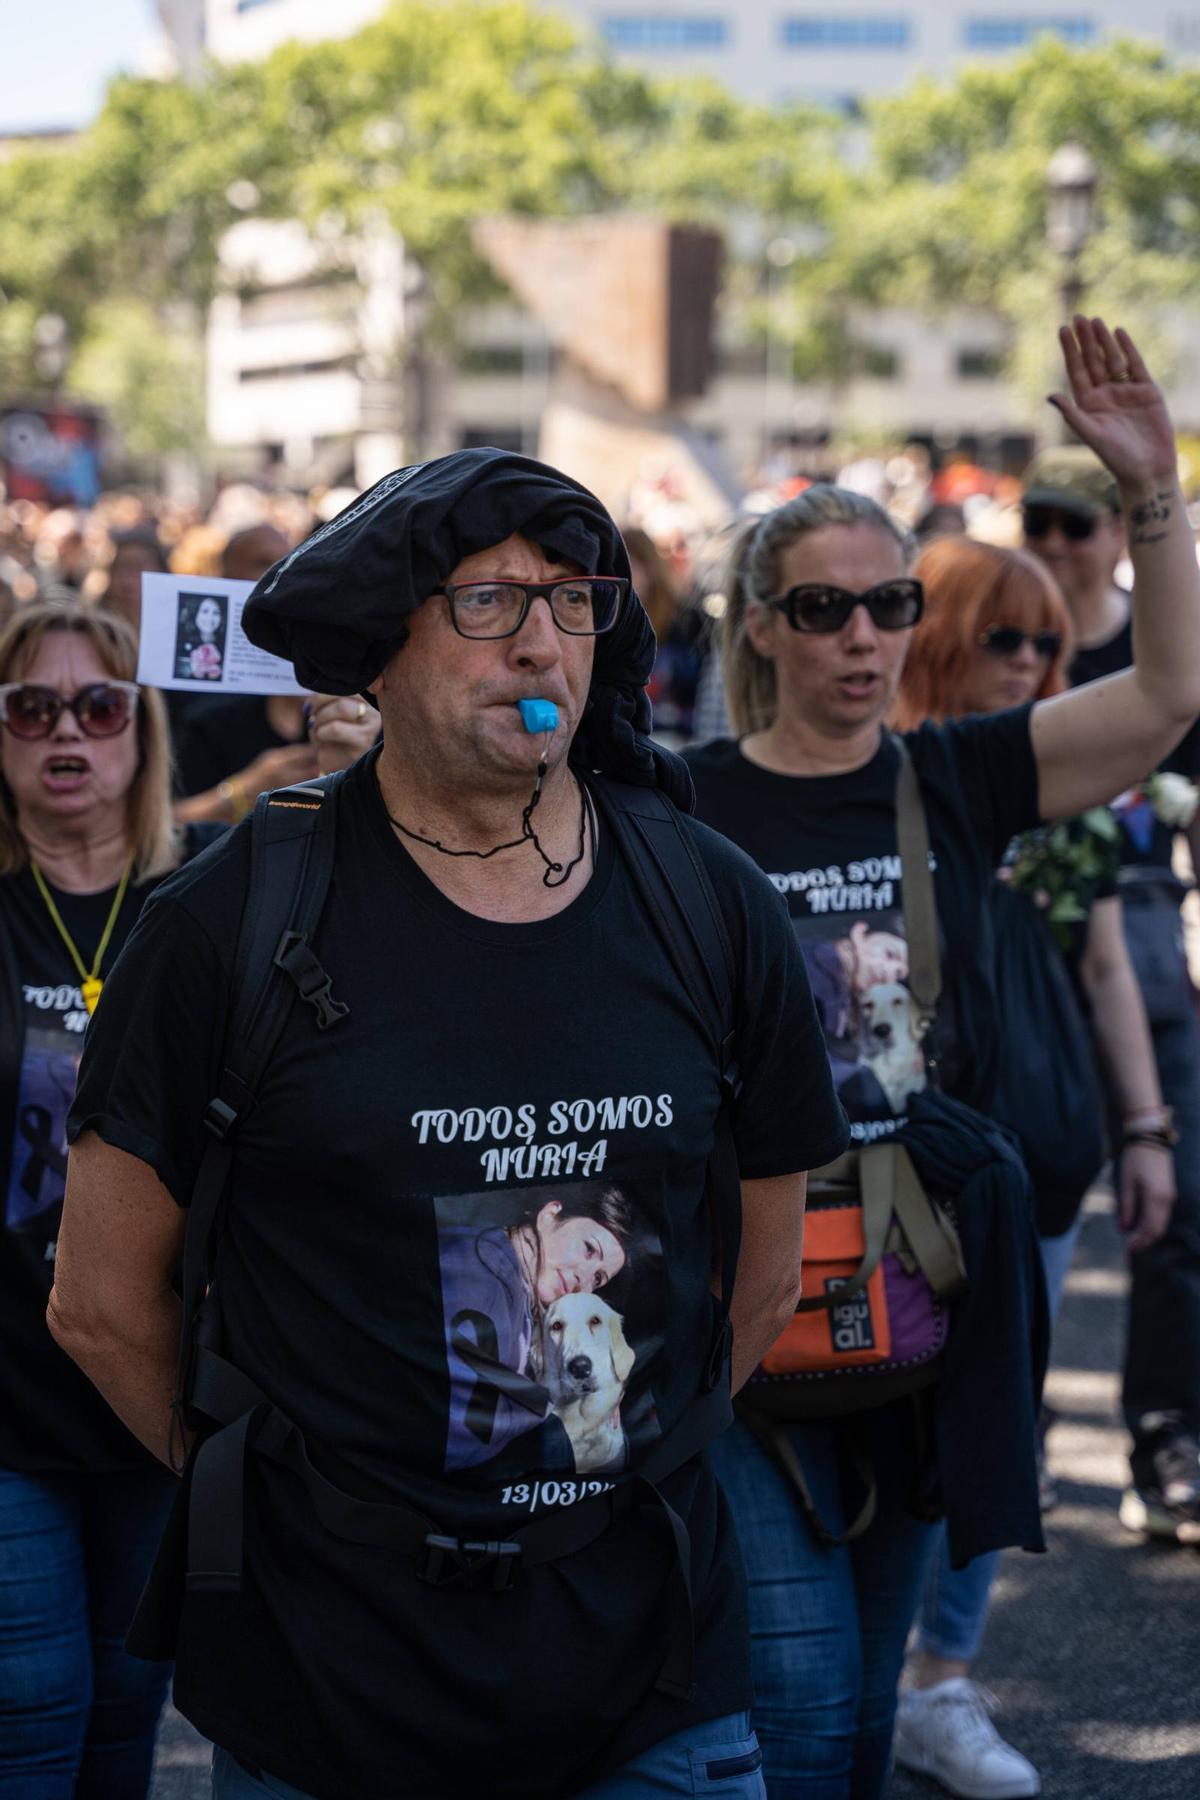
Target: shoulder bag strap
{"type": "Point", "coordinates": [920, 905]}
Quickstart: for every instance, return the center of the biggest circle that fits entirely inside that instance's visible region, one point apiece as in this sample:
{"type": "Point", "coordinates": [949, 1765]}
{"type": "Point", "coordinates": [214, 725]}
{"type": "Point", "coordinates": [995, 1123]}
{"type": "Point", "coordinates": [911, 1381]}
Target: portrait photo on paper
{"type": "Point", "coordinates": [201, 626]}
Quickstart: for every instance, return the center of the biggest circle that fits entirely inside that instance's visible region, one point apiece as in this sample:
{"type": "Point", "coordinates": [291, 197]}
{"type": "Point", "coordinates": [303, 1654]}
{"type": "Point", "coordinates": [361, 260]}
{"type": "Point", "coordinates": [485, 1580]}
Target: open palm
{"type": "Point", "coordinates": [1114, 405]}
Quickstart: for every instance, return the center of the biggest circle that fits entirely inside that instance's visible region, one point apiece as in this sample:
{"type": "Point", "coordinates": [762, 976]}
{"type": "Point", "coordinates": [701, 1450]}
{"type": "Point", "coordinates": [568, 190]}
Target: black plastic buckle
{"type": "Point", "coordinates": [455, 1562]}
{"type": "Point", "coordinates": [313, 985]}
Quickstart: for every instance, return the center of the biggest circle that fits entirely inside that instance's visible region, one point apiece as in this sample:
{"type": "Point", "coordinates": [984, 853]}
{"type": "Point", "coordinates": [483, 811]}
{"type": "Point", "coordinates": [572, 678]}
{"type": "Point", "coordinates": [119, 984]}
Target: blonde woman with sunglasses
{"type": "Point", "coordinates": [822, 605]}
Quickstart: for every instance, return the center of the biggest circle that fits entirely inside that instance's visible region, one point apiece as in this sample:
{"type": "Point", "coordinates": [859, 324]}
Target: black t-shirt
{"type": "Point", "coordinates": [508, 1129]}
{"type": "Point", "coordinates": [1146, 841]}
{"type": "Point", "coordinates": [218, 738]}
{"type": "Point", "coordinates": [828, 844]}
{"type": "Point", "coordinates": [51, 1417]}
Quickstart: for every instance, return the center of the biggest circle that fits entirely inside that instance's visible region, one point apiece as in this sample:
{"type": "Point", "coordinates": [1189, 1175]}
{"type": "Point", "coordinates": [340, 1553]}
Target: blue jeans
{"type": "Point", "coordinates": [954, 1607]}
{"type": "Point", "coordinates": [720, 1757]}
{"type": "Point", "coordinates": [77, 1714]}
{"type": "Point", "coordinates": [1162, 1356]}
{"type": "Point", "coordinates": [827, 1626]}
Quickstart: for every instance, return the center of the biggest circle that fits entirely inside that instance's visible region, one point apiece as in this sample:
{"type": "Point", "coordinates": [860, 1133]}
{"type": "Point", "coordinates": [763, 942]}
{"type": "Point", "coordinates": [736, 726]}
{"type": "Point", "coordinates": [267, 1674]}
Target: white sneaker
{"type": "Point", "coordinates": [947, 1732]}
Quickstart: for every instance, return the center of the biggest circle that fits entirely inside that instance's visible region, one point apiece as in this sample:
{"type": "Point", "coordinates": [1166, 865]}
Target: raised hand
{"type": "Point", "coordinates": [1114, 405]}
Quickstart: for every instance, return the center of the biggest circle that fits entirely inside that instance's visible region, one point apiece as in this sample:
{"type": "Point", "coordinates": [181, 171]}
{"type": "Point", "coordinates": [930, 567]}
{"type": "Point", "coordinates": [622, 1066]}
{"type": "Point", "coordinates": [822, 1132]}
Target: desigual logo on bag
{"type": "Point", "coordinates": [850, 1323]}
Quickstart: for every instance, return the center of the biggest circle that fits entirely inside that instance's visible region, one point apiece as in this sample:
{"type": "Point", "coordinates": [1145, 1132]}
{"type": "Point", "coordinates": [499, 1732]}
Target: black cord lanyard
{"type": "Point", "coordinates": [528, 834]}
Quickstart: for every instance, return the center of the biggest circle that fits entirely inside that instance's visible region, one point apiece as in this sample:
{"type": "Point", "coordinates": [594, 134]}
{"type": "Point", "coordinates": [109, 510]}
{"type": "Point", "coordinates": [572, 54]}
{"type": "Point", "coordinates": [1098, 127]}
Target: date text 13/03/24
{"type": "Point", "coordinates": [552, 1493]}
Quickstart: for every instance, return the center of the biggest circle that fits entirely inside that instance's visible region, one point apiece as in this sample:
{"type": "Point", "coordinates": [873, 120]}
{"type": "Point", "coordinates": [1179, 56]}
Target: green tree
{"type": "Point", "coordinates": [948, 203]}
{"type": "Point", "coordinates": [148, 374]}
{"type": "Point", "coordinates": [438, 114]}
{"type": "Point", "coordinates": [431, 117]}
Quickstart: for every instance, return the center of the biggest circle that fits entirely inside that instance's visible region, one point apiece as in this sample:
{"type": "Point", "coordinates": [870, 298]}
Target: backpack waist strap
{"type": "Point", "coordinates": [246, 1419]}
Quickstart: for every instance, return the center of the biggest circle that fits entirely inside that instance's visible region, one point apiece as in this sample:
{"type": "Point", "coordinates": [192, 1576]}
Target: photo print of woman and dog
{"type": "Point", "coordinates": [859, 977]}
{"type": "Point", "coordinates": [551, 1297]}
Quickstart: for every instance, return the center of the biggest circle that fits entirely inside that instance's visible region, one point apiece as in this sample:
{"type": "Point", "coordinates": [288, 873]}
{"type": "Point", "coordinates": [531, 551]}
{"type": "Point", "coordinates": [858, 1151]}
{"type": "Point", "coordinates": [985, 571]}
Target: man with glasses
{"type": "Point", "coordinates": [1073, 523]}
{"type": "Point", "coordinates": [468, 1258]}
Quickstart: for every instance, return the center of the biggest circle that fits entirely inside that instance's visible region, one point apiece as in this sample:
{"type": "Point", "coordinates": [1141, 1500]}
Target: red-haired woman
{"type": "Point", "coordinates": [996, 634]}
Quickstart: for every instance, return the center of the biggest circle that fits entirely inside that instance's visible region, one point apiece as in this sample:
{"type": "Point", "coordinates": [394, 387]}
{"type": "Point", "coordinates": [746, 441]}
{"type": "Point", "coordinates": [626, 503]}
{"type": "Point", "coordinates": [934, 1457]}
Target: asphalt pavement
{"type": "Point", "coordinates": [1093, 1651]}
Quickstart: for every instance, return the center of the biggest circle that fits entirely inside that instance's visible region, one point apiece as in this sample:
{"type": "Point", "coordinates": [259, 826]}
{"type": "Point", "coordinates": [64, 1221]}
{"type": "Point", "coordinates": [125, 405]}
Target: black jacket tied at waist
{"type": "Point", "coordinates": [986, 1405]}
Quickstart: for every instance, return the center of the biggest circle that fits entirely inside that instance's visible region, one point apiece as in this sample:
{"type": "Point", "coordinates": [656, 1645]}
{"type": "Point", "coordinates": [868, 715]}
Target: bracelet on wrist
{"type": "Point", "coordinates": [1149, 1118]}
{"type": "Point", "coordinates": [1153, 1140]}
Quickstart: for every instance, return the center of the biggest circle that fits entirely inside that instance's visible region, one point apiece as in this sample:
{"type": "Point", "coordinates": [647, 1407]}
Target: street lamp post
{"type": "Point", "coordinates": [1071, 182]}
{"type": "Point", "coordinates": [51, 349]}
{"type": "Point", "coordinates": [780, 355]}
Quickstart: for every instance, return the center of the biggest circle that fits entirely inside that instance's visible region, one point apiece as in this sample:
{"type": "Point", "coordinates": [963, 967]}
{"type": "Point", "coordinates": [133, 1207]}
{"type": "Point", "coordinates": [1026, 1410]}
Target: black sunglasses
{"type": "Point", "coordinates": [1007, 640]}
{"type": "Point", "coordinates": [102, 709]}
{"type": "Point", "coordinates": [816, 606]}
{"type": "Point", "coordinates": [1040, 521]}
{"type": "Point", "coordinates": [581, 606]}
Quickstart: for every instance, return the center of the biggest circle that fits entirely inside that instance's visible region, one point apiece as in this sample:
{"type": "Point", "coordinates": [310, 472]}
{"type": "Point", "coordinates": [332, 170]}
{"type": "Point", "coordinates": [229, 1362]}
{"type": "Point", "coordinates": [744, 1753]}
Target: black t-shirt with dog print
{"type": "Point", "coordinates": [51, 1417]}
{"type": "Point", "coordinates": [828, 844]}
{"type": "Point", "coordinates": [468, 1252]}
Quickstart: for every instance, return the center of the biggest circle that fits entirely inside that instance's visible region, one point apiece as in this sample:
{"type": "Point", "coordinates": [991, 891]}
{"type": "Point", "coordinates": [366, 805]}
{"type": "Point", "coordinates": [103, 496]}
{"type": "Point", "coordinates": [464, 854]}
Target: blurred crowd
{"type": "Point", "coordinates": [99, 554]}
{"type": "Point", "coordinates": [1013, 591]}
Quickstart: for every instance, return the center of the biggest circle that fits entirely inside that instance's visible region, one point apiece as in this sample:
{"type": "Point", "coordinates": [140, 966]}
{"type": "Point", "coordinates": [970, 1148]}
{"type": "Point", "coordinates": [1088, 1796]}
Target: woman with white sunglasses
{"type": "Point", "coordinates": [86, 833]}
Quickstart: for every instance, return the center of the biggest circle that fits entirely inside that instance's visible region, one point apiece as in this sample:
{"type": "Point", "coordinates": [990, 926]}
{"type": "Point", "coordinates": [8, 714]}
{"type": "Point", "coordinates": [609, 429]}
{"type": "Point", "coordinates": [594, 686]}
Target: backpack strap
{"type": "Point", "coordinates": [676, 892]}
{"type": "Point", "coordinates": [293, 834]}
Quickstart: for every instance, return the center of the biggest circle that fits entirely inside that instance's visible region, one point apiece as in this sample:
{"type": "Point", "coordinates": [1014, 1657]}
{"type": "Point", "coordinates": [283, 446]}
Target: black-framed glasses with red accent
{"type": "Point", "coordinates": [102, 709]}
{"type": "Point", "coordinates": [819, 606]}
{"type": "Point", "coordinates": [580, 605]}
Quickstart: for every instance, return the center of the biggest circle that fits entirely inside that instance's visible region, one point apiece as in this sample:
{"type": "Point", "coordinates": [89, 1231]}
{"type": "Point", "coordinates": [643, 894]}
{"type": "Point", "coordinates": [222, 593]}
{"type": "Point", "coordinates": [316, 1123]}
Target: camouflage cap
{"type": "Point", "coordinates": [1071, 477]}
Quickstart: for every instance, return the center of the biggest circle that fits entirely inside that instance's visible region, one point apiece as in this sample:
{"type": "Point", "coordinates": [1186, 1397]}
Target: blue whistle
{"type": "Point", "coordinates": [538, 715]}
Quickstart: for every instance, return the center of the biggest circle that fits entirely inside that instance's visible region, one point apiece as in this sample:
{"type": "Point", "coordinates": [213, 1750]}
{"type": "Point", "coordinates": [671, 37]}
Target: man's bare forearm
{"type": "Point", "coordinates": [758, 1319]}
{"type": "Point", "coordinates": [135, 1372]}
{"type": "Point", "coordinates": [768, 1276]}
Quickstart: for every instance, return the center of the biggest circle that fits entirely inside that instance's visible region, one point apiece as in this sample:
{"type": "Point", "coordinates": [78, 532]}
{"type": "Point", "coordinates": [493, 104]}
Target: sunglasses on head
{"type": "Point", "coordinates": [1007, 640]}
{"type": "Point", "coordinates": [1040, 521]}
{"type": "Point", "coordinates": [817, 606]}
{"type": "Point", "coordinates": [102, 709]}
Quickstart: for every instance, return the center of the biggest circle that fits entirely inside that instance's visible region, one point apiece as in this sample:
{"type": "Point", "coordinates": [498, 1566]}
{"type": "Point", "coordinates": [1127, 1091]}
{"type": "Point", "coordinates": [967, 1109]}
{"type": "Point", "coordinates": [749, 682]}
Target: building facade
{"type": "Point", "coordinates": [767, 49]}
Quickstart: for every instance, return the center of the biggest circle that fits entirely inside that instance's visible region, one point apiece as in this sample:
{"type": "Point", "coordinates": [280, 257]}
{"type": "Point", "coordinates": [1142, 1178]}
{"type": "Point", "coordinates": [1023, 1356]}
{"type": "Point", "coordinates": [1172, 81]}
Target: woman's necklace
{"type": "Point", "coordinates": [90, 983]}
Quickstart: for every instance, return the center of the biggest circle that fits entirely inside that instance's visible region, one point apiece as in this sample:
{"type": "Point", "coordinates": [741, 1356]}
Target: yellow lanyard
{"type": "Point", "coordinates": [90, 983]}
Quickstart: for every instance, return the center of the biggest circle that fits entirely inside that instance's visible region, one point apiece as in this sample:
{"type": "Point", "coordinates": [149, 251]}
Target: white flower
{"type": "Point", "coordinates": [1174, 799]}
